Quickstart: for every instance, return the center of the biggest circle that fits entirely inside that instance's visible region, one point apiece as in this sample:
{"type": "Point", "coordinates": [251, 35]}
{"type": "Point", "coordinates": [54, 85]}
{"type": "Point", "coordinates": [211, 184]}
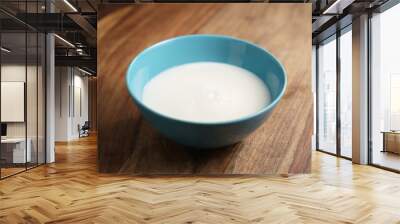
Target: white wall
{"type": "Point", "coordinates": [62, 81]}
{"type": "Point", "coordinates": [79, 103]}
{"type": "Point", "coordinates": [71, 93]}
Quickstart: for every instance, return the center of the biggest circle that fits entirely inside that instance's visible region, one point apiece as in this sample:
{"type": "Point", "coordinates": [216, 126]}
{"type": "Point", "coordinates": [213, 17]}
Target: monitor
{"type": "Point", "coordinates": [3, 129]}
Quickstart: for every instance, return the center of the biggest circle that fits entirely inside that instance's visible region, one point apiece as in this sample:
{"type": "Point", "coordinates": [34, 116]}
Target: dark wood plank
{"type": "Point", "coordinates": [127, 144]}
{"type": "Point", "coordinates": [92, 94]}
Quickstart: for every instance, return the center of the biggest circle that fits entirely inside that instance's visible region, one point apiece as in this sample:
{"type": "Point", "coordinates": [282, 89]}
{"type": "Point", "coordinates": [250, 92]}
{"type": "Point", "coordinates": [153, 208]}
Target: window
{"type": "Point", "coordinates": [326, 137]}
{"type": "Point", "coordinates": [334, 106]}
{"type": "Point", "coordinates": [346, 93]}
{"type": "Point", "coordinates": [385, 89]}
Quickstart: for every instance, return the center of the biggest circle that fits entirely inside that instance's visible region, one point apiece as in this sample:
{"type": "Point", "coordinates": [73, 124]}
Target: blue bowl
{"type": "Point", "coordinates": [210, 48]}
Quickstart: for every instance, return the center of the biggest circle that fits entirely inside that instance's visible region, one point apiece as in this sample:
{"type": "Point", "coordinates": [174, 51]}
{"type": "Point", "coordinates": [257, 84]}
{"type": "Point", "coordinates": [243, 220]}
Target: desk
{"type": "Point", "coordinates": [391, 141]}
{"type": "Point", "coordinates": [13, 150]}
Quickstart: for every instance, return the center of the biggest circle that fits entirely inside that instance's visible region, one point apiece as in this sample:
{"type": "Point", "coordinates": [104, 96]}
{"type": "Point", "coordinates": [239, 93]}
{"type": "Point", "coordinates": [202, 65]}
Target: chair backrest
{"type": "Point", "coordinates": [86, 125]}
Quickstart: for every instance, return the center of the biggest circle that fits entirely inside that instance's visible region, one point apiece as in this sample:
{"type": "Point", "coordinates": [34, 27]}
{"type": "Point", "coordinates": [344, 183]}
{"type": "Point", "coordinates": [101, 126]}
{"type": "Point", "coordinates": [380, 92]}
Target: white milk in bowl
{"type": "Point", "coordinates": [206, 92]}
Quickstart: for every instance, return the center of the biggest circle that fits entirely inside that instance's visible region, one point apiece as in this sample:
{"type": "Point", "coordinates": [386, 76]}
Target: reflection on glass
{"type": "Point", "coordinates": [346, 94]}
{"type": "Point", "coordinates": [327, 97]}
{"type": "Point", "coordinates": [31, 100]}
{"type": "Point", "coordinates": [385, 114]}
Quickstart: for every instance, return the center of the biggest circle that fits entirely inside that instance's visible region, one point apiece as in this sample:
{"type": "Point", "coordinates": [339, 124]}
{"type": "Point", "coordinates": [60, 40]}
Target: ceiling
{"type": "Point", "coordinates": [329, 16]}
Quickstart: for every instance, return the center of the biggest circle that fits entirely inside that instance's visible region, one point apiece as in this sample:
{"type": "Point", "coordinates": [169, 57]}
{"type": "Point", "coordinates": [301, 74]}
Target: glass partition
{"type": "Point", "coordinates": [22, 89]}
{"type": "Point", "coordinates": [15, 151]}
{"type": "Point", "coordinates": [32, 96]}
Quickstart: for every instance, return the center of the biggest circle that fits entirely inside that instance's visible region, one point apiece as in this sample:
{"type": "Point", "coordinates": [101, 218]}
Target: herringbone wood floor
{"type": "Point", "coordinates": [72, 191]}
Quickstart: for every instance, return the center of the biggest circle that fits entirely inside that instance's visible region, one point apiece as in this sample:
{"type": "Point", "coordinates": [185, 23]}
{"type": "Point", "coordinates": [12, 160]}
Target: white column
{"type": "Point", "coordinates": [360, 90]}
{"type": "Point", "coordinates": [50, 99]}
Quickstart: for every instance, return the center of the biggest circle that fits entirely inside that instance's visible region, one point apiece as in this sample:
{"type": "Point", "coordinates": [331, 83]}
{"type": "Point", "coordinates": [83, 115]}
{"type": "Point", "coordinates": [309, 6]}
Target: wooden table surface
{"type": "Point", "coordinates": [128, 144]}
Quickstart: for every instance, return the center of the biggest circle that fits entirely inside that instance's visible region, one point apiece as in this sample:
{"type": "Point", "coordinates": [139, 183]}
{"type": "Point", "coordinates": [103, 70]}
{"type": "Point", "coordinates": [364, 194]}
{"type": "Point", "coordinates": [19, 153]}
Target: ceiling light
{"type": "Point", "coordinates": [331, 7]}
{"type": "Point", "coordinates": [70, 5]}
{"type": "Point", "coordinates": [5, 50]}
{"type": "Point", "coordinates": [84, 71]}
{"type": "Point", "coordinates": [337, 7]}
{"type": "Point", "coordinates": [65, 41]}
{"type": "Point", "coordinates": [79, 51]}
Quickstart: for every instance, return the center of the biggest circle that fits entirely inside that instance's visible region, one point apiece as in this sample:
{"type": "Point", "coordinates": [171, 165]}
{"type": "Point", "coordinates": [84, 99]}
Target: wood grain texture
{"type": "Point", "coordinates": [127, 144]}
{"type": "Point", "coordinates": [72, 191]}
{"type": "Point", "coordinates": [92, 107]}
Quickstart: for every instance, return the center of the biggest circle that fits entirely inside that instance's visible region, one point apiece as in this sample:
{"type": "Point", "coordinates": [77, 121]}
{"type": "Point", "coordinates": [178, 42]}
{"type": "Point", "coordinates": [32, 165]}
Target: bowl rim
{"type": "Point", "coordinates": [247, 117]}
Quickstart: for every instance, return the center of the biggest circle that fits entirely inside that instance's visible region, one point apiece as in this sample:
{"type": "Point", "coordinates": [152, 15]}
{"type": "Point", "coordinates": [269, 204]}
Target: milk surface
{"type": "Point", "coordinates": [206, 92]}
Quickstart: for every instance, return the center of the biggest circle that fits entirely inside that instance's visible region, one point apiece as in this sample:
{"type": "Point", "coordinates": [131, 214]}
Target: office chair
{"type": "Point", "coordinates": [84, 130]}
